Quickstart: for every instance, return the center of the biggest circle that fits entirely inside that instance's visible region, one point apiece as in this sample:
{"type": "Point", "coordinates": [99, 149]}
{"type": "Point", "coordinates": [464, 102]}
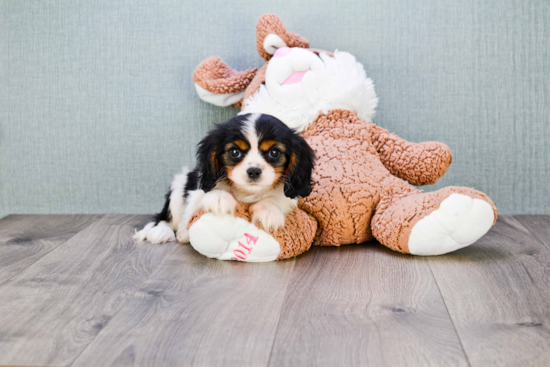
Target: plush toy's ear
{"type": "Point", "coordinates": [298, 174]}
{"type": "Point", "coordinates": [220, 85]}
{"type": "Point", "coordinates": [271, 34]}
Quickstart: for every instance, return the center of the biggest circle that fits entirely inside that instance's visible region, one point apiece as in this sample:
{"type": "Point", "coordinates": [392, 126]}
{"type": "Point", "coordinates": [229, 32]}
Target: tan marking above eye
{"type": "Point", "coordinates": [266, 144]}
{"type": "Point", "coordinates": [243, 145]}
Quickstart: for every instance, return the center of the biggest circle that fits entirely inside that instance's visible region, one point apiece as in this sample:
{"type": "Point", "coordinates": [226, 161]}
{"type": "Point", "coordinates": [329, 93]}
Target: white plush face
{"type": "Point", "coordinates": [301, 85]}
{"type": "Point", "coordinates": [292, 74]}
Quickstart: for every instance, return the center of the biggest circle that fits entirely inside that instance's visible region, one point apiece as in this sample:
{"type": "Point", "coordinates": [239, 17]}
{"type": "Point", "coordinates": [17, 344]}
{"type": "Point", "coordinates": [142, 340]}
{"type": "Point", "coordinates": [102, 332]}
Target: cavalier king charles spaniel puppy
{"type": "Point", "coordinates": [251, 158]}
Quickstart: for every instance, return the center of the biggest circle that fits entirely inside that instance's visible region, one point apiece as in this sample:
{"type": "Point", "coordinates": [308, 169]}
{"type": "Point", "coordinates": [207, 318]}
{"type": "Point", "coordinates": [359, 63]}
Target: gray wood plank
{"type": "Point", "coordinates": [196, 311]}
{"type": "Point", "coordinates": [497, 292]}
{"type": "Point", "coordinates": [26, 238]}
{"type": "Point", "coordinates": [52, 310]}
{"type": "Point", "coordinates": [538, 225]}
{"type": "Point", "coordinates": [8, 219]}
{"type": "Point", "coordinates": [364, 305]}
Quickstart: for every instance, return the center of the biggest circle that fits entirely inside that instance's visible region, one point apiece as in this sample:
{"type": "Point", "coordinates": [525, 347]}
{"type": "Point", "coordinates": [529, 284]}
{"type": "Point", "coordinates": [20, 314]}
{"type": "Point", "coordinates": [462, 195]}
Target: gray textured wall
{"type": "Point", "coordinates": [98, 110]}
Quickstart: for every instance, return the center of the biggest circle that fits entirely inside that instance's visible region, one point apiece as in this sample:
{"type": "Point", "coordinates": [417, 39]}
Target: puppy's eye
{"type": "Point", "coordinates": [235, 153]}
{"type": "Point", "coordinates": [274, 153]}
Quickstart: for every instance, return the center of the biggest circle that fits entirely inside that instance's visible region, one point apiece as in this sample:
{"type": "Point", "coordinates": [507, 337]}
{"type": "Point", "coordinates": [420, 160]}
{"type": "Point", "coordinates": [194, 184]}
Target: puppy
{"type": "Point", "coordinates": [251, 158]}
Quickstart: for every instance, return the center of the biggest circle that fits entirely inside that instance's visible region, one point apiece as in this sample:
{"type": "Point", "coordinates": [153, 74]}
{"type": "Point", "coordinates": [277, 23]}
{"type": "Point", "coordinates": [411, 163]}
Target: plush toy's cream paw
{"type": "Point", "coordinates": [269, 217]}
{"type": "Point", "coordinates": [218, 202]}
{"type": "Point", "coordinates": [226, 237]}
{"type": "Point", "coordinates": [458, 222]}
{"type": "Point", "coordinates": [158, 234]}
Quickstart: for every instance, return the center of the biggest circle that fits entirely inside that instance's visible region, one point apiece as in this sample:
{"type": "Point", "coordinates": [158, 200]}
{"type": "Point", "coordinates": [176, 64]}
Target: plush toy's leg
{"type": "Point", "coordinates": [435, 223]}
{"type": "Point", "coordinates": [229, 237]}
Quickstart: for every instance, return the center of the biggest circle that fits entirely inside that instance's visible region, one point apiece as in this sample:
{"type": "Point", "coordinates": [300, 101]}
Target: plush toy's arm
{"type": "Point", "coordinates": [416, 163]}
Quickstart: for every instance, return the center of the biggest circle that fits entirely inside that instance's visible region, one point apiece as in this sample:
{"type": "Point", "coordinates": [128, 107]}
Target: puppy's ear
{"type": "Point", "coordinates": [300, 167]}
{"type": "Point", "coordinates": [207, 161]}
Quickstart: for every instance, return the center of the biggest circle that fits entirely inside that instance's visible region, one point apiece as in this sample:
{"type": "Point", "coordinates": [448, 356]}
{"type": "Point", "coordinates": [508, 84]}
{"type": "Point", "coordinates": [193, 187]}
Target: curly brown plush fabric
{"type": "Point", "coordinates": [297, 235]}
{"type": "Point", "coordinates": [215, 76]}
{"type": "Point", "coordinates": [347, 177]}
{"type": "Point", "coordinates": [352, 181]}
{"type": "Point", "coordinates": [294, 238]}
{"type": "Point", "coordinates": [270, 23]}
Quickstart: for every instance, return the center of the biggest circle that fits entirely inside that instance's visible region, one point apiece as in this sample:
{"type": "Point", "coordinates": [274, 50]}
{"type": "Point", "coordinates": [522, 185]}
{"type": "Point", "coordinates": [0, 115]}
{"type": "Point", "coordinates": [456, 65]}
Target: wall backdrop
{"type": "Point", "coordinates": [98, 109]}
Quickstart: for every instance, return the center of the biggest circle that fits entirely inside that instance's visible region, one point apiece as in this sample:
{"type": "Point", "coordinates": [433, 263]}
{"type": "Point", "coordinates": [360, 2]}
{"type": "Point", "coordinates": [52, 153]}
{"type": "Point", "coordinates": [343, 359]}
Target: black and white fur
{"type": "Point", "coordinates": [233, 165]}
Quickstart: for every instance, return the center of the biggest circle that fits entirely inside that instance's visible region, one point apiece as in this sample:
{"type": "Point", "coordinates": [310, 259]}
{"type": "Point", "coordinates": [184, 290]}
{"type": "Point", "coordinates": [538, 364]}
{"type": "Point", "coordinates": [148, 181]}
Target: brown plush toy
{"type": "Point", "coordinates": [364, 176]}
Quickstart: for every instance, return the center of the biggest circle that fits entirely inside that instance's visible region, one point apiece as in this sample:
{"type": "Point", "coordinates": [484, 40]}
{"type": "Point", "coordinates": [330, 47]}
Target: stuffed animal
{"type": "Point", "coordinates": [363, 176]}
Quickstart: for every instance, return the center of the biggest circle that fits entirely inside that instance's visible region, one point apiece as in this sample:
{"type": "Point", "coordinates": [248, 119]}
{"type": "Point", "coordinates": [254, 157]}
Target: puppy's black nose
{"type": "Point", "coordinates": [254, 172]}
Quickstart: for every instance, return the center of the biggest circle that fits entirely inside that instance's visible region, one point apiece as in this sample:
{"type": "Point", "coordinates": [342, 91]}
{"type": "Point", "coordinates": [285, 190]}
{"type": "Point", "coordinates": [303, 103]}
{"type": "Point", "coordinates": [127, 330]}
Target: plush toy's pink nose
{"type": "Point", "coordinates": [282, 51]}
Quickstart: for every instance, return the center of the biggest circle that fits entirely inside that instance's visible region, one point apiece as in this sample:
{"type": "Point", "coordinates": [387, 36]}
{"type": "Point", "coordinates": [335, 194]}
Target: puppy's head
{"type": "Point", "coordinates": [255, 153]}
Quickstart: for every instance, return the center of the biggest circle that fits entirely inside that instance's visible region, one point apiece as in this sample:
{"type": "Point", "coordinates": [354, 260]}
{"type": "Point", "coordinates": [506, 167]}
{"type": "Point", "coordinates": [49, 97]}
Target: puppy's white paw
{"type": "Point", "coordinates": [183, 235]}
{"type": "Point", "coordinates": [269, 217]}
{"type": "Point", "coordinates": [142, 235]}
{"type": "Point", "coordinates": [218, 202]}
{"type": "Point", "coordinates": [161, 233]}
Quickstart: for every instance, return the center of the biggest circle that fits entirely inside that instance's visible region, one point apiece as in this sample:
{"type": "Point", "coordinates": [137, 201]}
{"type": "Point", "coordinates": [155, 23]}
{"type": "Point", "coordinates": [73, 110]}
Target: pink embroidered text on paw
{"type": "Point", "coordinates": [242, 255]}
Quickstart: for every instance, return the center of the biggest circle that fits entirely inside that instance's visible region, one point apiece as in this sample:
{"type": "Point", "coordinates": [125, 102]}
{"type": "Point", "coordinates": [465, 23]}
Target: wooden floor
{"type": "Point", "coordinates": [77, 291]}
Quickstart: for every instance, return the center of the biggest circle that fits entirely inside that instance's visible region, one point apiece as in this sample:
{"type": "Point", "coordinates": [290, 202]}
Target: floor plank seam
{"type": "Point", "coordinates": [449, 314]}
{"type": "Point", "coordinates": [538, 240]}
{"type": "Point", "coordinates": [53, 249]}
{"type": "Point", "coordinates": [533, 234]}
{"type": "Point", "coordinates": [124, 304]}
{"type": "Point", "coordinates": [281, 313]}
